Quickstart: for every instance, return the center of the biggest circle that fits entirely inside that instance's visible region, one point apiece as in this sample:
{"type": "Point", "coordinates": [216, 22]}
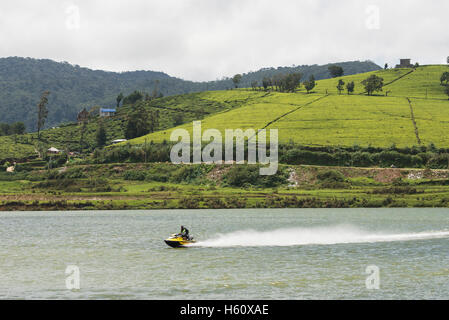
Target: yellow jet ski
{"type": "Point", "coordinates": [178, 241]}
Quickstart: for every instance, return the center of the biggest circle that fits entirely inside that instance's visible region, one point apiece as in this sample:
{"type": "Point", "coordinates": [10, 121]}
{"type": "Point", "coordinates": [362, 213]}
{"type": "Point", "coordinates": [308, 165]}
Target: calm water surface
{"type": "Point", "coordinates": [241, 254]}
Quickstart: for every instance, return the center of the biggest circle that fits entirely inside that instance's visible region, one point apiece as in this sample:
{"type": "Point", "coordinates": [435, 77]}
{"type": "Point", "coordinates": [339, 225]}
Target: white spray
{"type": "Point", "coordinates": [313, 236]}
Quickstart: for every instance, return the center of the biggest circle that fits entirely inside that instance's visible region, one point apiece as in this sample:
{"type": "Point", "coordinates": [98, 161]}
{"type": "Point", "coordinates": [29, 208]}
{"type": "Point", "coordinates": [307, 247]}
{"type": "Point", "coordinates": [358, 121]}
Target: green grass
{"type": "Point", "coordinates": [350, 120]}
{"type": "Point", "coordinates": [418, 82]}
{"type": "Point", "coordinates": [255, 114]}
{"type": "Point", "coordinates": [340, 120]}
{"type": "Point", "coordinates": [12, 149]}
{"type": "Point", "coordinates": [432, 120]}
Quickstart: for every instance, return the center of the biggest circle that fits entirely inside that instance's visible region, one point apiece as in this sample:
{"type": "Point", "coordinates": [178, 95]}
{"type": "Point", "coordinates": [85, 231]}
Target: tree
{"type": "Point", "coordinates": [236, 79]}
{"type": "Point", "coordinates": [266, 82]}
{"type": "Point", "coordinates": [119, 99]}
{"type": "Point", "coordinates": [155, 94]}
{"type": "Point", "coordinates": [340, 86]}
{"type": "Point", "coordinates": [447, 60]}
{"type": "Point", "coordinates": [373, 84]}
{"type": "Point", "coordinates": [444, 79]}
{"type": "Point", "coordinates": [350, 87]}
{"type": "Point", "coordinates": [386, 66]}
{"type": "Point", "coordinates": [18, 128]}
{"type": "Point", "coordinates": [141, 122]}
{"type": "Point", "coordinates": [276, 81]}
{"type": "Point", "coordinates": [133, 97]}
{"type": "Point", "coordinates": [310, 84]}
{"type": "Point", "coordinates": [101, 135]}
{"type": "Point", "coordinates": [254, 85]}
{"type": "Point", "coordinates": [5, 129]}
{"type": "Point", "coordinates": [82, 132]}
{"type": "Point", "coordinates": [336, 71]}
{"type": "Point", "coordinates": [178, 119]}
{"type": "Point", "coordinates": [291, 81]}
{"type": "Point", "coordinates": [154, 120]}
{"type": "Point", "coordinates": [42, 113]}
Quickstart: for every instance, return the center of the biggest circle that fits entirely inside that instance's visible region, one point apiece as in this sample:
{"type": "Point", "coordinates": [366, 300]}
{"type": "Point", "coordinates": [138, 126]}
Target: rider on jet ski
{"type": "Point", "coordinates": [185, 233]}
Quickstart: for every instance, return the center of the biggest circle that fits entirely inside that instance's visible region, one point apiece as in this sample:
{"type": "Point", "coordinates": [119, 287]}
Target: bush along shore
{"type": "Point", "coordinates": [117, 186]}
{"type": "Point", "coordinates": [294, 154]}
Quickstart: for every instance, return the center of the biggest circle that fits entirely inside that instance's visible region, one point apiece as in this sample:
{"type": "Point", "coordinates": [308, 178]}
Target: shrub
{"type": "Point", "coordinates": [134, 175]}
{"type": "Point", "coordinates": [331, 175]}
{"type": "Point", "coordinates": [438, 161]}
{"type": "Point", "coordinates": [248, 175]}
{"type": "Point", "coordinates": [332, 179]}
{"type": "Point", "coordinates": [188, 174]}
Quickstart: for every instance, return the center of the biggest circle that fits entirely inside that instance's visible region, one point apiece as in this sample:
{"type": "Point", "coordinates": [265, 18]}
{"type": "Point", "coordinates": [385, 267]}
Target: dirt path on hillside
{"type": "Point", "coordinates": [413, 121]}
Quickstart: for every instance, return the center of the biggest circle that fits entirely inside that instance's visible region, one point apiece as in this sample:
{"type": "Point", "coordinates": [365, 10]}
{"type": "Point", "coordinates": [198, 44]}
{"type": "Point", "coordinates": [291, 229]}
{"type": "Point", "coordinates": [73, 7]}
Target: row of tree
{"type": "Point", "coordinates": [284, 83]}
{"type": "Point", "coordinates": [7, 129]}
{"type": "Point", "coordinates": [350, 86]}
{"type": "Point", "coordinates": [291, 82]}
{"type": "Point", "coordinates": [138, 96]}
{"type": "Point", "coordinates": [288, 82]}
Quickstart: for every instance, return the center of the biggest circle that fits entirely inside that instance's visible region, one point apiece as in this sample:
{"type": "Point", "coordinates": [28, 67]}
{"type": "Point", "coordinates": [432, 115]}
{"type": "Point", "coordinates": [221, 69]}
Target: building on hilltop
{"type": "Point", "coordinates": [107, 112]}
{"type": "Point", "coordinates": [405, 63]}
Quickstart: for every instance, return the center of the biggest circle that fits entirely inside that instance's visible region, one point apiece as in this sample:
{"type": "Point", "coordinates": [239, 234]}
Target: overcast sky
{"type": "Point", "coordinates": [208, 39]}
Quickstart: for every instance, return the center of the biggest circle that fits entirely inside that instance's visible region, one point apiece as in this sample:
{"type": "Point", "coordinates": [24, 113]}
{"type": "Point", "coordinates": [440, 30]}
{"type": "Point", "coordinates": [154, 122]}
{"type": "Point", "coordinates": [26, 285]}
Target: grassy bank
{"type": "Point", "coordinates": [165, 186]}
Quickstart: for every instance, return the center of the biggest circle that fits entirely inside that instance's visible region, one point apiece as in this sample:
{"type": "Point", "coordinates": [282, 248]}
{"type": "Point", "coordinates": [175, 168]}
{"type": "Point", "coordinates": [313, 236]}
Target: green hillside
{"type": "Point", "coordinates": [23, 80]}
{"type": "Point", "coordinates": [316, 119]}
{"type": "Point", "coordinates": [320, 119]}
{"type": "Point", "coordinates": [184, 108]}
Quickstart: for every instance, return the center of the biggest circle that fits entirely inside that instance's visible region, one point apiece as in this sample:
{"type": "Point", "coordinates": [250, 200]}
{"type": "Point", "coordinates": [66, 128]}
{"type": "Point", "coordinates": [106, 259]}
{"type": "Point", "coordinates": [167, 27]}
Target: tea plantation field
{"type": "Point", "coordinates": [411, 110]}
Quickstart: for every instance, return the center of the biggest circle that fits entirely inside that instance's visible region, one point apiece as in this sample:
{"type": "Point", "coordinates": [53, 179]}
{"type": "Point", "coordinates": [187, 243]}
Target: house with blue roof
{"type": "Point", "coordinates": [107, 112]}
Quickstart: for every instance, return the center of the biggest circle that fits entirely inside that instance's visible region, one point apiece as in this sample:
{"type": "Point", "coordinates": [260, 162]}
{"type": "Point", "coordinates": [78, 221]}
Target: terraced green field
{"type": "Point", "coordinates": [338, 120]}
{"type": "Point", "coordinates": [321, 119]}
{"type": "Point", "coordinates": [432, 119]}
{"type": "Point", "coordinates": [420, 81]}
{"type": "Point", "coordinates": [254, 115]}
{"type": "Point", "coordinates": [12, 149]}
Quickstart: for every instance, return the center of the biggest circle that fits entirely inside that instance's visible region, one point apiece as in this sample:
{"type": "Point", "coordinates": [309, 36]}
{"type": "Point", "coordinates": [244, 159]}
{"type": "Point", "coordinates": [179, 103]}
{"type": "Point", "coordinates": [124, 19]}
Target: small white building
{"type": "Point", "coordinates": [53, 150]}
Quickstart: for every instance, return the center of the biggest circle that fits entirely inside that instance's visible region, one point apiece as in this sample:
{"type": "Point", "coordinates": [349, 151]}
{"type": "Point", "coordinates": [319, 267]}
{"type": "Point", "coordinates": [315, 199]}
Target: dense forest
{"type": "Point", "coordinates": [72, 88]}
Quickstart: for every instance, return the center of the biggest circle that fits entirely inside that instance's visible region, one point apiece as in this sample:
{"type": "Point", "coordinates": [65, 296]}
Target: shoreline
{"type": "Point", "coordinates": [123, 187]}
{"type": "Point", "coordinates": [286, 202]}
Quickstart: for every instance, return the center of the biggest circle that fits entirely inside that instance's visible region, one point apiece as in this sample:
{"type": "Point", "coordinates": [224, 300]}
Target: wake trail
{"type": "Point", "coordinates": [313, 236]}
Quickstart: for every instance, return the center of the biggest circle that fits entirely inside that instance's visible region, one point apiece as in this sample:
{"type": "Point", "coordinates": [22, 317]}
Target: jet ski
{"type": "Point", "coordinates": [178, 241]}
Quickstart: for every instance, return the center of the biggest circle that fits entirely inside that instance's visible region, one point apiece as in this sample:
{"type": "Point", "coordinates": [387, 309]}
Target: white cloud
{"type": "Point", "coordinates": [208, 39]}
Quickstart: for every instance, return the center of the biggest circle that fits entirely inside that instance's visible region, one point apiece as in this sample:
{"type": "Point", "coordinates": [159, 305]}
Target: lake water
{"type": "Point", "coordinates": [241, 254]}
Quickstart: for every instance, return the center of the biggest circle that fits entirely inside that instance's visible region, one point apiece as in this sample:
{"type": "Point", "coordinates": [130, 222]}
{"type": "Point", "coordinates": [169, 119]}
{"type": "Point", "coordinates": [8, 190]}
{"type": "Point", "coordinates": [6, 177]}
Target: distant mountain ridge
{"type": "Point", "coordinates": [22, 81]}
